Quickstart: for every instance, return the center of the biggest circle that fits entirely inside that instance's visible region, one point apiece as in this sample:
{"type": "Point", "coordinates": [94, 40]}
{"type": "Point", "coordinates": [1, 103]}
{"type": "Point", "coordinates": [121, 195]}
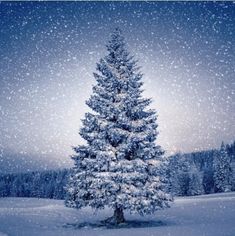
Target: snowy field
{"type": "Point", "coordinates": [198, 216]}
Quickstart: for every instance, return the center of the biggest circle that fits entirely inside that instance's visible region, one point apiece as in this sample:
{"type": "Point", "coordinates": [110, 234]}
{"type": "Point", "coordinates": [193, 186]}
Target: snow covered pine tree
{"type": "Point", "coordinates": [222, 170]}
{"type": "Point", "coordinates": [119, 166]}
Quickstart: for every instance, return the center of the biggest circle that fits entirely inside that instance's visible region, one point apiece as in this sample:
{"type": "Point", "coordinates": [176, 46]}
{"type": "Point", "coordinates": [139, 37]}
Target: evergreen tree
{"type": "Point", "coordinates": [195, 182]}
{"type": "Point", "coordinates": [208, 180]}
{"type": "Point", "coordinates": [179, 175]}
{"type": "Point", "coordinates": [119, 166]}
{"type": "Point", "coordinates": [173, 173]}
{"type": "Point", "coordinates": [222, 171]}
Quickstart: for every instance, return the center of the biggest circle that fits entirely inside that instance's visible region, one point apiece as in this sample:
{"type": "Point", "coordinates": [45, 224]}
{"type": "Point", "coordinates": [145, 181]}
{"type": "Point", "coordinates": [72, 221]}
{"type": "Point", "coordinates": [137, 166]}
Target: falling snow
{"type": "Point", "coordinates": [49, 52]}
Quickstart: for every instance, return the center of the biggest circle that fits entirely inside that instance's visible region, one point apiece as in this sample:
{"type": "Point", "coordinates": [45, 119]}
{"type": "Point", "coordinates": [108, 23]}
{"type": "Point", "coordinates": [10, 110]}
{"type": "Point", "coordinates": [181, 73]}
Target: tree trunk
{"type": "Point", "coordinates": [118, 216]}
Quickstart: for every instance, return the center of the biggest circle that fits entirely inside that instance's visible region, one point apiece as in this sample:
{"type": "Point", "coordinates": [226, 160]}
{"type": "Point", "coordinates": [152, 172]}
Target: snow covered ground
{"type": "Point", "coordinates": [189, 216]}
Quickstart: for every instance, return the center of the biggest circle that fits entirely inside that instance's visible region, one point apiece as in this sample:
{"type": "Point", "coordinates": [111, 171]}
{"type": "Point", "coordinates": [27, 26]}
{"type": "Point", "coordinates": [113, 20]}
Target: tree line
{"type": "Point", "coordinates": [188, 174]}
{"type": "Point", "coordinates": [202, 172]}
{"type": "Point", "coordinates": [44, 184]}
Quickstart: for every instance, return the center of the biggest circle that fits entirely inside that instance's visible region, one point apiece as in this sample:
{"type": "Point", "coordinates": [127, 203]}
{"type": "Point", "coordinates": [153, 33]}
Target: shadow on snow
{"type": "Point", "coordinates": [126, 225]}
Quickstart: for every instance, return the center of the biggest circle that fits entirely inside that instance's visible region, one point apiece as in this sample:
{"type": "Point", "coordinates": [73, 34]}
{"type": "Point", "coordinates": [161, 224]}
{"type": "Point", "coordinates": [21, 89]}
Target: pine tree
{"type": "Point", "coordinates": [195, 182]}
{"type": "Point", "coordinates": [222, 171]}
{"type": "Point", "coordinates": [173, 173]}
{"type": "Point", "coordinates": [119, 166]}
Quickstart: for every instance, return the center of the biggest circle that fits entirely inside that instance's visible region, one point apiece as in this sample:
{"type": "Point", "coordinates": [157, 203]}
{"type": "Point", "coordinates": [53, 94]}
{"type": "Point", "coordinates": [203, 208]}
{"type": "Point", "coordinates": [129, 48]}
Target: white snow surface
{"type": "Point", "coordinates": [204, 215]}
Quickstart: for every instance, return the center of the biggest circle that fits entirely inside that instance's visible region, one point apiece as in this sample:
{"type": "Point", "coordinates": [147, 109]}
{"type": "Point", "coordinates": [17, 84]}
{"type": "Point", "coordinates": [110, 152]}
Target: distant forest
{"type": "Point", "coordinates": [195, 173]}
{"type": "Point", "coordinates": [186, 175]}
{"type": "Point", "coordinates": [40, 184]}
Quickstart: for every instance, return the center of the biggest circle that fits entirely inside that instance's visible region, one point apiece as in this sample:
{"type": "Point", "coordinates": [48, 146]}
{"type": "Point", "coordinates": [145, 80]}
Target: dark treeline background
{"type": "Point", "coordinates": [44, 184]}
{"type": "Point", "coordinates": [187, 175]}
{"type": "Point", "coordinates": [195, 173]}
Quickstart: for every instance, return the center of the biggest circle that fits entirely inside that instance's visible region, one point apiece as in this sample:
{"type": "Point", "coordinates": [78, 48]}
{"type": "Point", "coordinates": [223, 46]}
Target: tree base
{"type": "Point", "coordinates": [117, 218]}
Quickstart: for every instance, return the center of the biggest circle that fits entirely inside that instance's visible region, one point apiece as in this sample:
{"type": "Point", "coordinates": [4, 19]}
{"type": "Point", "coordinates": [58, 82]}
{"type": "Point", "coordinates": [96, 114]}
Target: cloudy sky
{"type": "Point", "coordinates": [49, 52]}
